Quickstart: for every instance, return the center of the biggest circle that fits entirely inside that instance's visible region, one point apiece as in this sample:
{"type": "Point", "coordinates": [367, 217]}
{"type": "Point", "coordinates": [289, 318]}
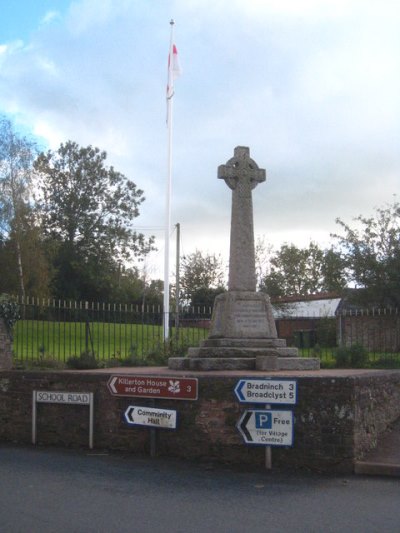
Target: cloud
{"type": "Point", "coordinates": [310, 86]}
{"type": "Point", "coordinates": [50, 17]}
{"type": "Point", "coordinates": [85, 15]}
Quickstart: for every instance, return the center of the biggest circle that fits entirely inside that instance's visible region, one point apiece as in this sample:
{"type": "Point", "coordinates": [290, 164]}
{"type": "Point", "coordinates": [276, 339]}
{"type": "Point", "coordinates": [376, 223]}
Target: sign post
{"type": "Point", "coordinates": [267, 427]}
{"type": "Point", "coordinates": [268, 451]}
{"type": "Point", "coordinates": [153, 388]}
{"type": "Point", "coordinates": [61, 397]}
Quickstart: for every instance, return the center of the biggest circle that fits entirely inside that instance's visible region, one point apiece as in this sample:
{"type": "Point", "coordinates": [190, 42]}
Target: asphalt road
{"type": "Point", "coordinates": [57, 491]}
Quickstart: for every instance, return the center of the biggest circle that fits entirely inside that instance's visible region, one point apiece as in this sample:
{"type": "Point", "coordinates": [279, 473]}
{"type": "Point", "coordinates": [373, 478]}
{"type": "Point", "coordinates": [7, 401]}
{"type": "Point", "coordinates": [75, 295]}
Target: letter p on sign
{"type": "Point", "coordinates": [263, 420]}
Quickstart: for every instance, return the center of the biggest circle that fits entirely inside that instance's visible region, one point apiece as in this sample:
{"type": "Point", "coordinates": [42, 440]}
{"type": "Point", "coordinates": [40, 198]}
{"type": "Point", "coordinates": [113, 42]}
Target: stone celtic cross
{"type": "Point", "coordinates": [243, 334]}
{"type": "Point", "coordinates": [242, 175]}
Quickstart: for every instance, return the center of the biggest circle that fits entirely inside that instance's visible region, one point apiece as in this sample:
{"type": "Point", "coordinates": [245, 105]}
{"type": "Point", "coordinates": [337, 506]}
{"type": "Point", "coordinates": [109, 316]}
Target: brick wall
{"type": "Point", "coordinates": [377, 404]}
{"type": "Point", "coordinates": [337, 418]}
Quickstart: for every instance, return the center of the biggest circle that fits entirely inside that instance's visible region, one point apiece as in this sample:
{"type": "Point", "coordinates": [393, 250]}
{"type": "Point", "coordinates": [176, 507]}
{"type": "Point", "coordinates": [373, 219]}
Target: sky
{"type": "Point", "coordinates": [312, 87]}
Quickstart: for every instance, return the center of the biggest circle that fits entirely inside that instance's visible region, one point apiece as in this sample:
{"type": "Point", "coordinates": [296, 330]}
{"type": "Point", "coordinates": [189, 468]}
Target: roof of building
{"type": "Point", "coordinates": [311, 307]}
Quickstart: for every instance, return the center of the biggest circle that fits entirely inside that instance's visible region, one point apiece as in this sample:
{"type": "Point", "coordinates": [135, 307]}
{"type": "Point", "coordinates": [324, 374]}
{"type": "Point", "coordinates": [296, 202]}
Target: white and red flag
{"type": "Point", "coordinates": [174, 70]}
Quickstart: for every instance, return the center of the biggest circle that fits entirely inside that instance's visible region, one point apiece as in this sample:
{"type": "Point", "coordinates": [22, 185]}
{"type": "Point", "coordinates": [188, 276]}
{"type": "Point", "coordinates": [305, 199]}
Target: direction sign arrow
{"type": "Point", "coordinates": [267, 427]}
{"type": "Point", "coordinates": [243, 426]}
{"type": "Point", "coordinates": [268, 390]}
{"type": "Point", "coordinates": [149, 416]}
{"type": "Point", "coordinates": [112, 386]}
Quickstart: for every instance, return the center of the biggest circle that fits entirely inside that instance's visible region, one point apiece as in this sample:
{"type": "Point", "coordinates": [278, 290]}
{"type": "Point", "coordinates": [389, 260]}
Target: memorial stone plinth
{"type": "Point", "coordinates": [243, 333]}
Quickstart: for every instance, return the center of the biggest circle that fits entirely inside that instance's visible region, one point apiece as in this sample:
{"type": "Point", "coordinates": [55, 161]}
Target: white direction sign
{"type": "Point", "coordinates": [268, 390]}
{"type": "Point", "coordinates": [77, 398]}
{"type": "Point", "coordinates": [149, 416]}
{"type": "Point", "coordinates": [267, 427]}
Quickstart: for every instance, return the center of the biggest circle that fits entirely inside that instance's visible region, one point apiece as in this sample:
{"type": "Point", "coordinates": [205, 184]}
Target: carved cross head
{"type": "Point", "coordinates": [241, 168]}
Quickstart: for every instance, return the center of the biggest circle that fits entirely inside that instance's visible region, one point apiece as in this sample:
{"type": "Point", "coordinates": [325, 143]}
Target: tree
{"type": "Point", "coordinates": [33, 276]}
{"type": "Point", "coordinates": [126, 285]}
{"type": "Point", "coordinates": [201, 278]}
{"type": "Point", "coordinates": [18, 225]}
{"type": "Point", "coordinates": [131, 286]}
{"type": "Point", "coordinates": [153, 293]}
{"type": "Point", "coordinates": [87, 211]}
{"type": "Point", "coordinates": [333, 271]}
{"type": "Point", "coordinates": [372, 255]}
{"type": "Point", "coordinates": [263, 252]}
{"type": "Point", "coordinates": [303, 271]}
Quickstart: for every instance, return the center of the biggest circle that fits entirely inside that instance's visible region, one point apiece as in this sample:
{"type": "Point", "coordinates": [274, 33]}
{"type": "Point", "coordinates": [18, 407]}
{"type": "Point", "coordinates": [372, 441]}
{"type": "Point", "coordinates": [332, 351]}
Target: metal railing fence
{"type": "Point", "coordinates": [59, 329]}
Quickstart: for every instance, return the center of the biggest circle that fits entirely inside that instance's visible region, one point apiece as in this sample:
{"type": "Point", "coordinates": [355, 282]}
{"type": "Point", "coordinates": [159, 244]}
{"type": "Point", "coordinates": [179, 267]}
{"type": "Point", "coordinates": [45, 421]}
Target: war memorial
{"type": "Point", "coordinates": [239, 395]}
{"type": "Point", "coordinates": [243, 333]}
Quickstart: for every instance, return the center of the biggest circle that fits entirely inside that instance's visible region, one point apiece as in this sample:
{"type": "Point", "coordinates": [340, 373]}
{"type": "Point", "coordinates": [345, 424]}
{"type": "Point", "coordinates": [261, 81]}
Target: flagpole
{"type": "Point", "coordinates": [170, 100]}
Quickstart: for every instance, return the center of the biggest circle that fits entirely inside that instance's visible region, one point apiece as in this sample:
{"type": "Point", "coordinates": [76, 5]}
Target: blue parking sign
{"type": "Point", "coordinates": [263, 420]}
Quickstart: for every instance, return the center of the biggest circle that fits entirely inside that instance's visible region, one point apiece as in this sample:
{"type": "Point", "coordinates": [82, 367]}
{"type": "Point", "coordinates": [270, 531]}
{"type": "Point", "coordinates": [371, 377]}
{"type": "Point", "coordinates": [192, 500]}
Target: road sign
{"type": "Point", "coordinates": [267, 427]}
{"type": "Point", "coordinates": [268, 390]}
{"type": "Point", "coordinates": [170, 388]}
{"type": "Point", "coordinates": [76, 398]}
{"type": "Point", "coordinates": [62, 397]}
{"type": "Point", "coordinates": [148, 416]}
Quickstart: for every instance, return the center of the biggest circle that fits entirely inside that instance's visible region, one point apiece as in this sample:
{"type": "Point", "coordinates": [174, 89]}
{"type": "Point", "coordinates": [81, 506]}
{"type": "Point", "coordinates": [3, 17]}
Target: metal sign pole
{"type": "Point", "coordinates": [91, 417]}
{"type": "Point", "coordinates": [34, 417]}
{"type": "Point", "coordinates": [268, 450]}
{"type": "Point", "coordinates": [153, 436]}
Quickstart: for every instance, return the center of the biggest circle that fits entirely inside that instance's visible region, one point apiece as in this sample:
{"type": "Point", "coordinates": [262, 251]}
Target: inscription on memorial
{"type": "Point", "coordinates": [250, 316]}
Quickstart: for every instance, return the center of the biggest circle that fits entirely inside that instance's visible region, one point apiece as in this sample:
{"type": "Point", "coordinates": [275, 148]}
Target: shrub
{"type": "Point", "coordinates": [164, 350]}
{"type": "Point", "coordinates": [9, 312]}
{"type": "Point", "coordinates": [328, 364]}
{"type": "Point", "coordinates": [39, 364]}
{"type": "Point", "coordinates": [132, 359]}
{"type": "Point", "coordinates": [85, 361]}
{"type": "Point", "coordinates": [317, 350]}
{"type": "Point", "coordinates": [386, 362]}
{"type": "Point", "coordinates": [355, 356]}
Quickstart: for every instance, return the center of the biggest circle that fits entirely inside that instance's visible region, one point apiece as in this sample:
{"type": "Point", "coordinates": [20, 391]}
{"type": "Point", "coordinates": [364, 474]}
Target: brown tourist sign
{"type": "Point", "coordinates": [139, 386]}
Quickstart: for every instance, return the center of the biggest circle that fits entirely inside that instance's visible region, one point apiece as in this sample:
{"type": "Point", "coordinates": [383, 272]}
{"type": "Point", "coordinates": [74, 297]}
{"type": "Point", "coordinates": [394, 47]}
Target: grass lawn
{"type": "Point", "coordinates": [34, 339]}
{"type": "Point", "coordinates": [373, 359]}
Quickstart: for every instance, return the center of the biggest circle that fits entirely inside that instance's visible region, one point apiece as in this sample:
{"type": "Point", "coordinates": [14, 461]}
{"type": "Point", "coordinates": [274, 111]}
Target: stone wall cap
{"type": "Point", "coordinates": [165, 371]}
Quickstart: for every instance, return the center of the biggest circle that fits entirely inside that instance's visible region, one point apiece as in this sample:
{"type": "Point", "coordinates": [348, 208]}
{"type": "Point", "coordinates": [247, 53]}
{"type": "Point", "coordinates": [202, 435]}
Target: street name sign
{"type": "Point", "coordinates": [62, 397]}
{"type": "Point", "coordinates": [76, 398]}
{"type": "Point", "coordinates": [149, 416]}
{"type": "Point", "coordinates": [267, 427]}
{"type": "Point", "coordinates": [266, 391]}
{"type": "Point", "coordinates": [170, 388]}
